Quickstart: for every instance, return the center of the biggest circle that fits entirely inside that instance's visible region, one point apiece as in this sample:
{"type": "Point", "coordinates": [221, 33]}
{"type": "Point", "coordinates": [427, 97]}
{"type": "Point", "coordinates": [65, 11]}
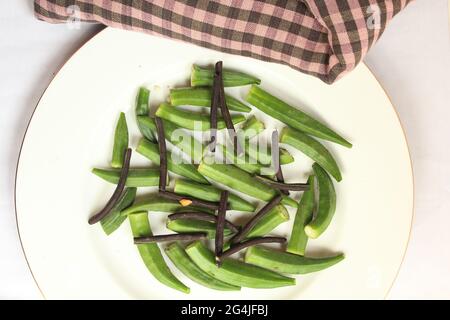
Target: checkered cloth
{"type": "Point", "coordinates": [323, 38]}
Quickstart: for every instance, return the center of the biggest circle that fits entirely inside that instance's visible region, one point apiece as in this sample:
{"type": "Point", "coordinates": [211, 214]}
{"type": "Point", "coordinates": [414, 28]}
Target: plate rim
{"type": "Point", "coordinates": [411, 168]}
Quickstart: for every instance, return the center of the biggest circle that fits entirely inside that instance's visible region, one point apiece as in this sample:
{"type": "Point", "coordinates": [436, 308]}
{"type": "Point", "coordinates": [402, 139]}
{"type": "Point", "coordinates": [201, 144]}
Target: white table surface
{"type": "Point", "coordinates": [412, 62]}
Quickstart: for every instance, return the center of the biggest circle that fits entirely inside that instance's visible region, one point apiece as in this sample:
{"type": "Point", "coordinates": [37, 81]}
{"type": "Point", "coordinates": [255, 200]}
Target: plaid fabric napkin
{"type": "Point", "coordinates": [323, 38]}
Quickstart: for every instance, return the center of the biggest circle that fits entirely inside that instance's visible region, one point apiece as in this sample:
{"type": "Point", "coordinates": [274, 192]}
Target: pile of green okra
{"type": "Point", "coordinates": [197, 208]}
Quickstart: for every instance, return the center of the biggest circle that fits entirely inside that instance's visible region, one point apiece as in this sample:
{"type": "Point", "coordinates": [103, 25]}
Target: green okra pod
{"type": "Point", "coordinates": [186, 225]}
{"type": "Point", "coordinates": [151, 254]}
{"type": "Point", "coordinates": [264, 156]}
{"type": "Point", "coordinates": [156, 203]}
{"type": "Point", "coordinates": [142, 110]}
{"type": "Point", "coordinates": [136, 177]}
{"type": "Point", "coordinates": [142, 98]}
{"type": "Point", "coordinates": [114, 219]}
{"type": "Point", "coordinates": [190, 120]}
{"type": "Point", "coordinates": [312, 148]}
{"type": "Point", "coordinates": [242, 181]}
{"type": "Point", "coordinates": [201, 97]}
{"type": "Point", "coordinates": [181, 260]}
{"type": "Point", "coordinates": [252, 127]}
{"type": "Point", "coordinates": [201, 77]}
{"type": "Point", "coordinates": [270, 221]}
{"type": "Point", "coordinates": [244, 161]}
{"type": "Point", "coordinates": [235, 272]}
{"type": "Point", "coordinates": [287, 262]}
{"type": "Point", "coordinates": [327, 204]}
{"type": "Point", "coordinates": [299, 239]}
{"type": "Point", "coordinates": [150, 150]}
{"type": "Point", "coordinates": [176, 135]}
{"type": "Point", "coordinates": [211, 193]}
{"type": "Point", "coordinates": [120, 142]}
{"type": "Point", "coordinates": [293, 117]}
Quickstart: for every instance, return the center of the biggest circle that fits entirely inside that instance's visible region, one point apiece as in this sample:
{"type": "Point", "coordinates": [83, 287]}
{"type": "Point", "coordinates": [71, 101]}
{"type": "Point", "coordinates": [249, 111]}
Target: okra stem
{"type": "Point", "coordinates": [136, 177]}
{"type": "Point", "coordinates": [181, 260]}
{"type": "Point", "coordinates": [151, 254]}
{"type": "Point", "coordinates": [191, 120]}
{"type": "Point", "coordinates": [293, 117]}
{"type": "Point", "coordinates": [299, 239]}
{"type": "Point", "coordinates": [327, 204]}
{"type": "Point", "coordinates": [201, 97]}
{"type": "Point", "coordinates": [120, 142]}
{"type": "Point", "coordinates": [287, 262]}
{"type": "Point", "coordinates": [235, 272]}
{"type": "Point", "coordinates": [201, 77]}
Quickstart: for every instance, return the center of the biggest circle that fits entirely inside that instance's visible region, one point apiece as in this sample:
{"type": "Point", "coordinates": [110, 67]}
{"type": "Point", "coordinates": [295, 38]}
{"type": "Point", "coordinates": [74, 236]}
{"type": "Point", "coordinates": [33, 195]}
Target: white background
{"type": "Point", "coordinates": [412, 62]}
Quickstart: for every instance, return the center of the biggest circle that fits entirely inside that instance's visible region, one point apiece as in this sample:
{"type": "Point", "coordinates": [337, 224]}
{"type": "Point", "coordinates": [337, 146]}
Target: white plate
{"type": "Point", "coordinates": [71, 131]}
